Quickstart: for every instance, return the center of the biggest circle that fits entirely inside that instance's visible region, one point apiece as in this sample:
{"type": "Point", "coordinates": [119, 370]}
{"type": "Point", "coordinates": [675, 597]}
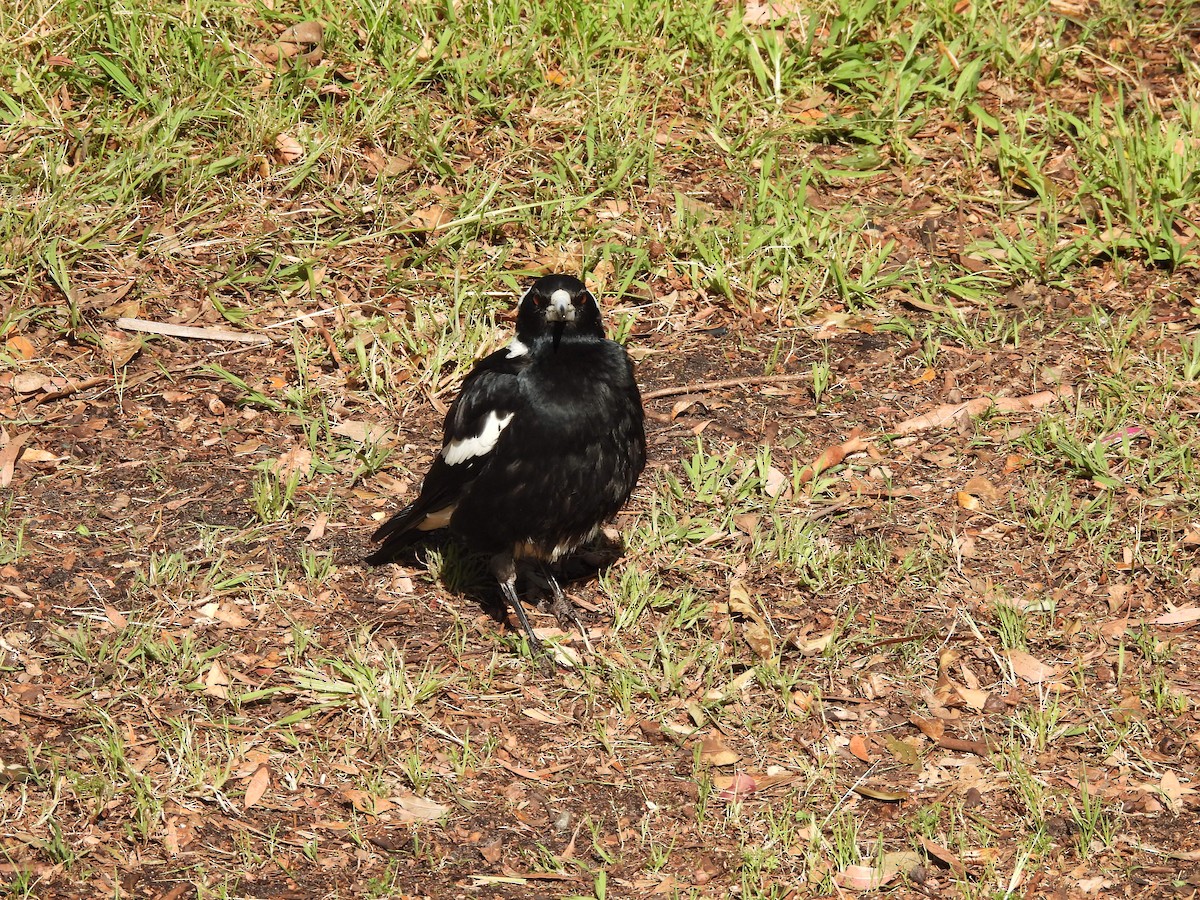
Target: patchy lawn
{"type": "Point", "coordinates": [906, 601]}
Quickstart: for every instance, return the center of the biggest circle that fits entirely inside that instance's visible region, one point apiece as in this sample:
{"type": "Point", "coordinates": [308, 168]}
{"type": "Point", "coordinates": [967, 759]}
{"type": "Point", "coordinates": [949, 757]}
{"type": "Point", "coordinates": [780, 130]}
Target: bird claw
{"type": "Point", "coordinates": [566, 614]}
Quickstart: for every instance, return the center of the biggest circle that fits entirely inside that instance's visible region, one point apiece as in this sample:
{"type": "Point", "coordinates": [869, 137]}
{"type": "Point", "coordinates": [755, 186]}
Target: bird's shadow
{"type": "Point", "coordinates": [468, 574]}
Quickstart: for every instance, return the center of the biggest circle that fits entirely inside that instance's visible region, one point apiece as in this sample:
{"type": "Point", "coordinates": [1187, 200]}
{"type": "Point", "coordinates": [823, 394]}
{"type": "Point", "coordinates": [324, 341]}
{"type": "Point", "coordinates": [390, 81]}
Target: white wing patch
{"type": "Point", "coordinates": [516, 348]}
{"type": "Point", "coordinates": [463, 449]}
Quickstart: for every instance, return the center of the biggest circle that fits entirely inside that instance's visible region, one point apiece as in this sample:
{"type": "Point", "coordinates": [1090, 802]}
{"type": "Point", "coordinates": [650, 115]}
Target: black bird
{"type": "Point", "coordinates": [544, 442]}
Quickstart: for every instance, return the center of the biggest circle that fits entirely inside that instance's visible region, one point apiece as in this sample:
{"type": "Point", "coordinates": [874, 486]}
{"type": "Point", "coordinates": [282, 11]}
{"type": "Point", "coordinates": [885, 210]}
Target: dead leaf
{"type": "Point", "coordinates": [421, 809]}
{"type": "Point", "coordinates": [967, 502]}
{"type": "Point", "coordinates": [318, 528]}
{"type": "Point", "coordinates": [876, 794]}
{"type": "Point", "coordinates": [977, 700]}
{"type": "Point", "coordinates": [1172, 791]}
{"type": "Point", "coordinates": [944, 855]}
{"type": "Point", "coordinates": [1030, 668]}
{"type": "Point", "coordinates": [859, 878]}
{"type": "Point", "coordinates": [20, 346]}
{"type": "Point", "coordinates": [216, 682]}
{"type": "Point", "coordinates": [36, 455]}
{"type": "Point", "coordinates": [1183, 615]}
{"type": "Point", "coordinates": [739, 600]}
{"type": "Point", "coordinates": [430, 219]}
{"type": "Point", "coordinates": [366, 802]}
{"type": "Point", "coordinates": [759, 638]}
{"type": "Point", "coordinates": [899, 862]}
{"type": "Point", "coordinates": [947, 413]}
{"type": "Point", "coordinates": [304, 40]}
{"type": "Point", "coordinates": [294, 462]}
{"type": "Point", "coordinates": [8, 457]}
{"type": "Point", "coordinates": [832, 457]}
{"type": "Point", "coordinates": [777, 484]}
{"type": "Point", "coordinates": [734, 787]}
{"type": "Point", "coordinates": [223, 612]}
{"type": "Point", "coordinates": [715, 753]}
{"type": "Point", "coordinates": [360, 432]}
{"type": "Point", "coordinates": [28, 382]}
{"type": "Point", "coordinates": [259, 782]}
{"type": "Point", "coordinates": [859, 748]}
{"type": "Point", "coordinates": [812, 646]}
{"type": "Point", "coordinates": [933, 729]}
{"type": "Point", "coordinates": [288, 149]}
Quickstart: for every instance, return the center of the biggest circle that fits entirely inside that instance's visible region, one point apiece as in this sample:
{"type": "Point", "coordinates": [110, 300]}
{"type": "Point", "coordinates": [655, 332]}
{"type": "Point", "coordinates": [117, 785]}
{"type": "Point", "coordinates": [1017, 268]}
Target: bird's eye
{"type": "Point", "coordinates": [578, 299]}
{"type": "Point", "coordinates": [542, 301]}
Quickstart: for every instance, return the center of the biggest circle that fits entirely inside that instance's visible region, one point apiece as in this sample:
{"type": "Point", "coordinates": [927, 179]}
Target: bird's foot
{"type": "Point", "coordinates": [567, 615]}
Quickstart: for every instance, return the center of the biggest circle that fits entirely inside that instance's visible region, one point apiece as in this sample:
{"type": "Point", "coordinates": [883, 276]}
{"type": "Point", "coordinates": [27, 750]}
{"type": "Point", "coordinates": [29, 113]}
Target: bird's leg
{"type": "Point", "coordinates": [563, 609]}
{"type": "Point", "coordinates": [504, 567]}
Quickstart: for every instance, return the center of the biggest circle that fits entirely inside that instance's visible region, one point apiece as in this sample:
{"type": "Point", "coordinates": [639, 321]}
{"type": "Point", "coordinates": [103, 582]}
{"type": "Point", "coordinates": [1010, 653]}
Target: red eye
{"type": "Point", "coordinates": [542, 301]}
{"type": "Point", "coordinates": [578, 299]}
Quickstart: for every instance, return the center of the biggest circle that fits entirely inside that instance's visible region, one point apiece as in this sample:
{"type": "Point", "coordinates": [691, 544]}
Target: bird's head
{"type": "Point", "coordinates": [558, 306]}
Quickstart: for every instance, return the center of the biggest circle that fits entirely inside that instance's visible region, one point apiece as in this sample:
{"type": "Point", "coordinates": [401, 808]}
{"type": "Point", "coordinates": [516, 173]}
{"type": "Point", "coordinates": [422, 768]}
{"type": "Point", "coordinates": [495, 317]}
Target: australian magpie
{"type": "Point", "coordinates": [543, 444]}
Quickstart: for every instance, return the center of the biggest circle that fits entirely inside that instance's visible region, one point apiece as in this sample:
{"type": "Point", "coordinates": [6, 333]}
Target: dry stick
{"type": "Point", "coordinates": [193, 332]}
{"type": "Point", "coordinates": [702, 386]}
{"type": "Point", "coordinates": [78, 386]}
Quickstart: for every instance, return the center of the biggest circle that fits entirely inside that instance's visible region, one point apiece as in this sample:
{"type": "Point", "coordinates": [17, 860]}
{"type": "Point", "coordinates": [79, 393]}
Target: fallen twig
{"type": "Point", "coordinates": [701, 387]}
{"type": "Point", "coordinates": [191, 331]}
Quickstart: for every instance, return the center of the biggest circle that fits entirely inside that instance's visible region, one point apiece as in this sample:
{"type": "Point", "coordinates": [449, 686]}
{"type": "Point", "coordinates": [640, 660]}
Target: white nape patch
{"type": "Point", "coordinates": [436, 520]}
{"type": "Point", "coordinates": [561, 298]}
{"type": "Point", "coordinates": [467, 448]}
{"type": "Point", "coordinates": [516, 348]}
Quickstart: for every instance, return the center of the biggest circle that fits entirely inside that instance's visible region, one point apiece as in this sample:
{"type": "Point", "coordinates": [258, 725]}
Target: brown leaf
{"type": "Point", "coordinates": [1030, 668]}
{"type": "Point", "coordinates": [36, 455]}
{"type": "Point", "coordinates": [28, 382]}
{"type": "Point", "coordinates": [318, 528]}
{"type": "Point", "coordinates": [859, 878]}
{"type": "Point", "coordinates": [1172, 790]}
{"type": "Point", "coordinates": [859, 748]}
{"type": "Point", "coordinates": [739, 600]}
{"type": "Point", "coordinates": [947, 413]}
{"type": "Point", "coordinates": [430, 219]}
{"type": "Point", "coordinates": [944, 855]}
{"type": "Point", "coordinates": [366, 802]}
{"type": "Point", "coordinates": [223, 612]}
{"type": "Point", "coordinates": [1183, 615]}
{"type": "Point", "coordinates": [977, 700]}
{"type": "Point", "coordinates": [738, 786]}
{"type": "Point", "coordinates": [288, 149]}
{"type": "Point", "coordinates": [931, 728]}
{"type": "Point", "coordinates": [20, 346]}
{"type": "Point", "coordinates": [715, 753]}
{"type": "Point", "coordinates": [420, 809]}
{"type": "Point", "coordinates": [832, 457]}
{"type": "Point", "coordinates": [759, 638]}
{"type": "Point", "coordinates": [361, 432]}
{"type": "Point", "coordinates": [216, 682]}
{"type": "Point", "coordinates": [297, 461]}
{"type": "Point", "coordinates": [876, 794]}
{"type": "Point", "coordinates": [8, 456]}
{"type": "Point", "coordinates": [777, 485]}
{"type": "Point", "coordinates": [259, 782]}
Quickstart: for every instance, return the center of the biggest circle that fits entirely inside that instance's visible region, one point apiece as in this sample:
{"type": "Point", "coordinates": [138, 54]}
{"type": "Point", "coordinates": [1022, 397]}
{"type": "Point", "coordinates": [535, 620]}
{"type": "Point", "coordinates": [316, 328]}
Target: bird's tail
{"type": "Point", "coordinates": [395, 534]}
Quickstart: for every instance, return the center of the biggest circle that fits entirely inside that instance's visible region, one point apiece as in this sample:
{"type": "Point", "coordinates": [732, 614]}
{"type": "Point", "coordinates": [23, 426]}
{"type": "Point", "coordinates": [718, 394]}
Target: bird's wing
{"type": "Point", "coordinates": [489, 399]}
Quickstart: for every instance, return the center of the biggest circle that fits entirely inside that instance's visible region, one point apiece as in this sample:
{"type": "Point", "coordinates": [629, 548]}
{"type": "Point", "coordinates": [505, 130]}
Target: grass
{"type": "Point", "coordinates": [909, 205]}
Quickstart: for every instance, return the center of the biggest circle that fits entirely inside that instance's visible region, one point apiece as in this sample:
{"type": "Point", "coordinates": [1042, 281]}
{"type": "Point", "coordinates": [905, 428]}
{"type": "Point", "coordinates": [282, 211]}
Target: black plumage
{"type": "Point", "coordinates": [543, 444]}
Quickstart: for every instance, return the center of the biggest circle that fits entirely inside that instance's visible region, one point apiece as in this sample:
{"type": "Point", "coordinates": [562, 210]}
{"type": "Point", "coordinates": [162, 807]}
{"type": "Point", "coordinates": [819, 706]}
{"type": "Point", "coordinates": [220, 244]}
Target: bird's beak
{"type": "Point", "coordinates": [560, 312]}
